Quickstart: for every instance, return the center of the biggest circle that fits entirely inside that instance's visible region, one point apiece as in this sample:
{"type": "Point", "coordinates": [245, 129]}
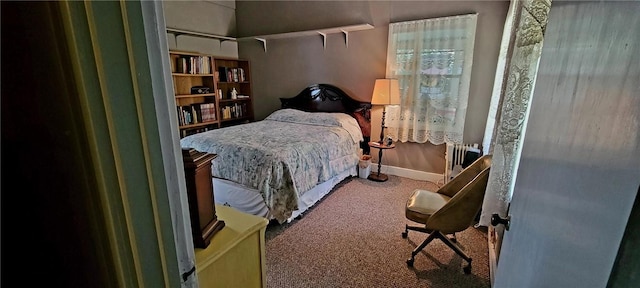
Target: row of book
{"type": "Point", "coordinates": [196, 113]}
{"type": "Point", "coordinates": [227, 74]}
{"type": "Point", "coordinates": [187, 132]}
{"type": "Point", "coordinates": [193, 65]}
{"type": "Point", "coordinates": [234, 111]}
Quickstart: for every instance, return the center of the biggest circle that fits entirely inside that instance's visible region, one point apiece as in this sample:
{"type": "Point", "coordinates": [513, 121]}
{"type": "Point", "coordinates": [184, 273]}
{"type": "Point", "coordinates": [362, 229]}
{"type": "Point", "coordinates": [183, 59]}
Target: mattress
{"type": "Point", "coordinates": [283, 156]}
{"type": "Point", "coordinates": [250, 201]}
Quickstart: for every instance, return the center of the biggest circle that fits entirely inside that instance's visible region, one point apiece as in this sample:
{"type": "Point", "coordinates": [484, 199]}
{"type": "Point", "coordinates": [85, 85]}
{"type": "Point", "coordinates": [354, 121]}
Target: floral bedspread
{"type": "Point", "coordinates": [279, 158]}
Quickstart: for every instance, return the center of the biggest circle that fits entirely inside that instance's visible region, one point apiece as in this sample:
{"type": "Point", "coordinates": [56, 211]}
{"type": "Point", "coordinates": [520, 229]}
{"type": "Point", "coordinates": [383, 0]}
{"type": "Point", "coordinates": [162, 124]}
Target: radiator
{"type": "Point", "coordinates": [454, 155]}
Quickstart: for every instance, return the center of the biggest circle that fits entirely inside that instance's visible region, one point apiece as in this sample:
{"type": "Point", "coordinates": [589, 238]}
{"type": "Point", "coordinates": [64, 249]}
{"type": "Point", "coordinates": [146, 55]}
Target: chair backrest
{"type": "Point", "coordinates": [467, 193]}
{"type": "Point", "coordinates": [465, 176]}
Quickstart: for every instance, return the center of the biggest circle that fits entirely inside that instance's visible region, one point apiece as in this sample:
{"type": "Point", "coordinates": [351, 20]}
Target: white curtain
{"type": "Point", "coordinates": [508, 34]}
{"type": "Point", "coordinates": [432, 60]}
{"type": "Point", "coordinates": [529, 23]}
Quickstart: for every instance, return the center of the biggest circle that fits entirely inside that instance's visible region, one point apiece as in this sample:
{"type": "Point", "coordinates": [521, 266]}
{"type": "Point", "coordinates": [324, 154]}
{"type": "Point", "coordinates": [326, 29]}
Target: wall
{"type": "Point", "coordinates": [291, 64]}
{"type": "Point", "coordinates": [212, 17]}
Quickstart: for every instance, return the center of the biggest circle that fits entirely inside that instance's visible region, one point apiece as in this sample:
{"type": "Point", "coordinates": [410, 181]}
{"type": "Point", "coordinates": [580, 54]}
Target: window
{"type": "Point", "coordinates": [432, 60]}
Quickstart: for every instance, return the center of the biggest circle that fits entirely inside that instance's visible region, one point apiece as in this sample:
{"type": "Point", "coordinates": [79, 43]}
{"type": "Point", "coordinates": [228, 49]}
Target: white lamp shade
{"type": "Point", "coordinates": [386, 92]}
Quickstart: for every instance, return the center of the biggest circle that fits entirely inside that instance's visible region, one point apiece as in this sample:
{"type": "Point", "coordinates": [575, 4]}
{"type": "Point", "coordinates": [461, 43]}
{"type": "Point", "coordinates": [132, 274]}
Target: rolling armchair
{"type": "Point", "coordinates": [451, 209]}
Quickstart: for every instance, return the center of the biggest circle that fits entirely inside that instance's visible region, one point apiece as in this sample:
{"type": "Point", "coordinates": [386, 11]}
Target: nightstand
{"type": "Point", "coordinates": [379, 177]}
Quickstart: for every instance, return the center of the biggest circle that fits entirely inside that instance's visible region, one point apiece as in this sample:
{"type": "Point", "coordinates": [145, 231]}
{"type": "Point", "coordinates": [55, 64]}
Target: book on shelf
{"type": "Point", "coordinates": [193, 64]}
{"type": "Point", "coordinates": [196, 113]}
{"type": "Point", "coordinates": [234, 111]}
{"type": "Point", "coordinates": [241, 75]}
{"type": "Point", "coordinates": [187, 132]}
{"type": "Point", "coordinates": [196, 116]}
{"type": "Point", "coordinates": [222, 74]}
{"type": "Point", "coordinates": [210, 109]}
{"type": "Point", "coordinates": [233, 74]}
{"type": "Point", "coordinates": [208, 112]}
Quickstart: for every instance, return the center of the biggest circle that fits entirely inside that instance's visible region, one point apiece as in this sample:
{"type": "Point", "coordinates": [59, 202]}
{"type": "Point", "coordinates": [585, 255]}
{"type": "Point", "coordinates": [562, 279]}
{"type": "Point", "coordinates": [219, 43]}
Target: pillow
{"type": "Point", "coordinates": [351, 125]}
{"type": "Point", "coordinates": [363, 117]}
{"type": "Point", "coordinates": [301, 117]}
{"type": "Point", "coordinates": [320, 119]}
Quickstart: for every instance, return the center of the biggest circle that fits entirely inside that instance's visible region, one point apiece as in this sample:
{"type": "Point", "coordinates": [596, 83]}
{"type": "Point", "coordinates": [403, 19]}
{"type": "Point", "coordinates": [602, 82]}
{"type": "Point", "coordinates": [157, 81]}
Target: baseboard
{"type": "Point", "coordinates": [409, 173]}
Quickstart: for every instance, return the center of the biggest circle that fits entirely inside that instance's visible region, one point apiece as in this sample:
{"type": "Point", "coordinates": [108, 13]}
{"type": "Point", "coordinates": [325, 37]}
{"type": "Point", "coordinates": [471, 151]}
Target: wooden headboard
{"type": "Point", "coordinates": [329, 98]}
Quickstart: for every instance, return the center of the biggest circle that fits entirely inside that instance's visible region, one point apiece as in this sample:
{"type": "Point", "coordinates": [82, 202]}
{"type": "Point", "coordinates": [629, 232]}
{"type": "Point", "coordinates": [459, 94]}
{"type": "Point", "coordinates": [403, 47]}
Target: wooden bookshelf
{"type": "Point", "coordinates": [214, 104]}
{"type": "Point", "coordinates": [234, 74]}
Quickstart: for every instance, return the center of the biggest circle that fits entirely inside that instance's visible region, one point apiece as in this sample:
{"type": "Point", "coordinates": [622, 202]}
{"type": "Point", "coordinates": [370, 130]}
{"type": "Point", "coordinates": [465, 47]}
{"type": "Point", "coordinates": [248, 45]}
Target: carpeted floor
{"type": "Point", "coordinates": [352, 238]}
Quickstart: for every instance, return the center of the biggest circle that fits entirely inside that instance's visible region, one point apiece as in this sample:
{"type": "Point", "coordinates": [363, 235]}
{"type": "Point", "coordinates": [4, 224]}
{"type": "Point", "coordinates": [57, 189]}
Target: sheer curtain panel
{"type": "Point", "coordinates": [432, 60]}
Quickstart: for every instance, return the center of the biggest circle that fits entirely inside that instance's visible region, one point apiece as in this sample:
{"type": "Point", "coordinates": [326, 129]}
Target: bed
{"type": "Point", "coordinates": [280, 166]}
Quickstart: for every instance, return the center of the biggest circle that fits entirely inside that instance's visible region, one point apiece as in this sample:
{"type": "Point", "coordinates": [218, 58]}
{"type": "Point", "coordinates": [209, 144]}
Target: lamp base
{"type": "Point", "coordinates": [378, 177]}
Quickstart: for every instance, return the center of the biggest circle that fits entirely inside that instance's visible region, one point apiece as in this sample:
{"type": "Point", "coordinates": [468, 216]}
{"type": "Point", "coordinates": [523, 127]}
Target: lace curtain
{"type": "Point", "coordinates": [432, 61]}
{"type": "Point", "coordinates": [529, 23]}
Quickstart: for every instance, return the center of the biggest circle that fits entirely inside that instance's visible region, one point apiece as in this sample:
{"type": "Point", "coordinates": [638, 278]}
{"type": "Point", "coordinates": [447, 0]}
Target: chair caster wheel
{"type": "Point", "coordinates": [410, 262]}
{"type": "Point", "coordinates": [467, 269]}
{"type": "Point", "coordinates": [405, 234]}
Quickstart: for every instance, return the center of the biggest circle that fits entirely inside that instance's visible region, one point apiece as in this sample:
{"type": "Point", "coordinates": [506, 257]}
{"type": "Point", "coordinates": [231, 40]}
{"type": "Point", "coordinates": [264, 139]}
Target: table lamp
{"type": "Point", "coordinates": [385, 92]}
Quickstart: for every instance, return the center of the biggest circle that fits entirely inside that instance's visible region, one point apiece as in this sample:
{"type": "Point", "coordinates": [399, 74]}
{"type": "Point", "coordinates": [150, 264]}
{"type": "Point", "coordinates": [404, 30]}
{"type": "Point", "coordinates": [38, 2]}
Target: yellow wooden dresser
{"type": "Point", "coordinates": [236, 255]}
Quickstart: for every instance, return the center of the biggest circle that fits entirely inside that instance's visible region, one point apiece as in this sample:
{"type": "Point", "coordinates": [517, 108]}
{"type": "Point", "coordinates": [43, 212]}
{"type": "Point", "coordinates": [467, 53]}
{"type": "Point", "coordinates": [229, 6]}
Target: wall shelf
{"type": "Point", "coordinates": [322, 32]}
{"type": "Point", "coordinates": [179, 32]}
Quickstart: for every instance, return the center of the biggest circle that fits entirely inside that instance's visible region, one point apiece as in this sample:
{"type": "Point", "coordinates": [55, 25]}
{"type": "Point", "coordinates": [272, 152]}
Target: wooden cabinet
{"type": "Point", "coordinates": [236, 254]}
{"type": "Point", "coordinates": [210, 91]}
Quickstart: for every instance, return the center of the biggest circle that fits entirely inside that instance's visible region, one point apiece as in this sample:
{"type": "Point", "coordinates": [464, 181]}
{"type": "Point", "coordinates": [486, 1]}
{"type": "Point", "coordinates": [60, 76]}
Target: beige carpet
{"type": "Point", "coordinates": [352, 238]}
